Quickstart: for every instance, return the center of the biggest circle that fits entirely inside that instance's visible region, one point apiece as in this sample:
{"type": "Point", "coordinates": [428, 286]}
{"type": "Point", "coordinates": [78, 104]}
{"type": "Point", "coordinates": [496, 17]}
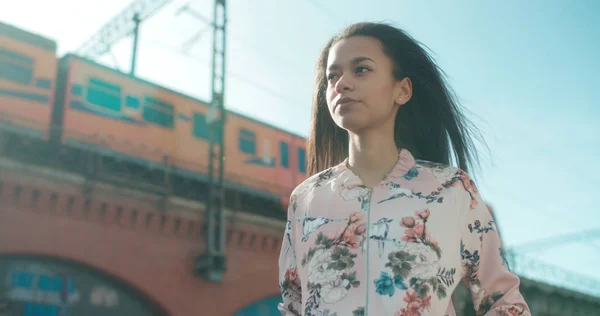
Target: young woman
{"type": "Point", "coordinates": [385, 225]}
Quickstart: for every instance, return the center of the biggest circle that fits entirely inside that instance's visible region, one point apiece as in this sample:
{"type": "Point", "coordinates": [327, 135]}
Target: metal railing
{"type": "Point", "coordinates": [536, 270]}
{"type": "Point", "coordinates": [107, 158]}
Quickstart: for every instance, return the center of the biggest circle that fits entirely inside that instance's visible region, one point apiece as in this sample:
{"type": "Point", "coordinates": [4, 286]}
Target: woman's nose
{"type": "Point", "coordinates": [342, 85]}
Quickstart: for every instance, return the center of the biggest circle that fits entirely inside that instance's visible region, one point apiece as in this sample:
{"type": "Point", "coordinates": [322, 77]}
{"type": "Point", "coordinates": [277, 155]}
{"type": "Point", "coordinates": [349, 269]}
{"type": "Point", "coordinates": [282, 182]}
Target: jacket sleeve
{"type": "Point", "coordinates": [494, 288]}
{"type": "Point", "coordinates": [289, 280]}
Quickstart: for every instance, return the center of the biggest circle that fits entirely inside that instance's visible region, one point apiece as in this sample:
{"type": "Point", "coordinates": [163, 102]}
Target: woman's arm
{"type": "Point", "coordinates": [494, 288]}
{"type": "Point", "coordinates": [289, 280]}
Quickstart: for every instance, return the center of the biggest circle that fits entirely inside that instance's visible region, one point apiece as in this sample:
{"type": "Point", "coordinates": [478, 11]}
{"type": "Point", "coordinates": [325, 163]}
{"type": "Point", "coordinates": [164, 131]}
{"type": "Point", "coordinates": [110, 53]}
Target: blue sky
{"type": "Point", "coordinates": [526, 70]}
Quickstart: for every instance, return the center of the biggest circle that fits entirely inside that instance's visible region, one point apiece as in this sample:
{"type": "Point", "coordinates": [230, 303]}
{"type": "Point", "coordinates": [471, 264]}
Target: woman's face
{"type": "Point", "coordinates": [362, 92]}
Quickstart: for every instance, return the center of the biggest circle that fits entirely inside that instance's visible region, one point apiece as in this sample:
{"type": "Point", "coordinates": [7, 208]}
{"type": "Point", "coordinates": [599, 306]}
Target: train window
{"type": "Point", "coordinates": [158, 112]}
{"type": "Point", "coordinates": [16, 67]}
{"type": "Point", "coordinates": [104, 94]}
{"type": "Point", "coordinates": [247, 141]}
{"type": "Point", "coordinates": [43, 83]}
{"type": "Point", "coordinates": [132, 102]}
{"type": "Point", "coordinates": [284, 154]}
{"type": "Point", "coordinates": [302, 160]}
{"type": "Point", "coordinates": [200, 126]}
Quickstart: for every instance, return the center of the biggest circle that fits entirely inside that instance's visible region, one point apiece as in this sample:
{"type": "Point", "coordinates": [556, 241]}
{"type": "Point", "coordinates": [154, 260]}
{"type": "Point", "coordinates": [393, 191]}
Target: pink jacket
{"type": "Point", "coordinates": [427, 229]}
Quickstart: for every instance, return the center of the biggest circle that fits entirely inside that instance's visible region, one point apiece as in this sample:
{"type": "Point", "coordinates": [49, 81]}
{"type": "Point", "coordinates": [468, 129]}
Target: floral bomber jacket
{"type": "Point", "coordinates": [398, 249]}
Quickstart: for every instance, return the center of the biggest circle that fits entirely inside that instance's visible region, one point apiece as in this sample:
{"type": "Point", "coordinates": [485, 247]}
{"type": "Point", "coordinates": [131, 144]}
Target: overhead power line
{"type": "Point", "coordinates": [186, 54]}
{"type": "Point", "coordinates": [324, 9]}
{"type": "Point", "coordinates": [120, 26]}
{"type": "Point", "coordinates": [186, 8]}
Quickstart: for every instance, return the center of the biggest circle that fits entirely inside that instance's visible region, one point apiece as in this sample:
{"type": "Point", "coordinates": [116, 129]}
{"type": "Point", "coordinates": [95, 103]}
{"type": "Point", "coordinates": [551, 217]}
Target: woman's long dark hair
{"type": "Point", "coordinates": [426, 125]}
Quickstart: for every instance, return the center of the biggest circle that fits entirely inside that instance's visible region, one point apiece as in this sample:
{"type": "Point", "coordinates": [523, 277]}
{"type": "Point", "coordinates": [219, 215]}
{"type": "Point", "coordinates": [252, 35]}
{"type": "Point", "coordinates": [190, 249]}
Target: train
{"type": "Point", "coordinates": [80, 103]}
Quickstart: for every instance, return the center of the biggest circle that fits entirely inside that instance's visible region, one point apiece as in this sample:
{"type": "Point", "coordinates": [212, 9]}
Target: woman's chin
{"type": "Point", "coordinates": [350, 124]}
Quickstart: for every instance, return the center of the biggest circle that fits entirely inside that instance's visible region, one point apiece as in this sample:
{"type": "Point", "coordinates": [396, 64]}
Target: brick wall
{"type": "Point", "coordinates": [125, 236]}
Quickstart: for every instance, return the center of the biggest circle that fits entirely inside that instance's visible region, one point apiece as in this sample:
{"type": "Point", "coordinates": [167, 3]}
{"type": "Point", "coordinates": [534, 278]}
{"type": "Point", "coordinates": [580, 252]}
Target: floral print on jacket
{"type": "Point", "coordinates": [399, 248]}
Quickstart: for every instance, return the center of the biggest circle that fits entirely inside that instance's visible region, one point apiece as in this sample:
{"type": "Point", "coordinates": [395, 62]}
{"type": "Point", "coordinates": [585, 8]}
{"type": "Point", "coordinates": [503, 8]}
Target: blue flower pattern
{"type": "Point", "coordinates": [386, 285]}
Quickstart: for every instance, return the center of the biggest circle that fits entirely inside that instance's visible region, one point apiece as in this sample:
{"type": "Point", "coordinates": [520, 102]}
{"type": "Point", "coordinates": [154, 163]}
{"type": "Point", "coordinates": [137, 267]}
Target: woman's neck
{"type": "Point", "coordinates": [372, 156]}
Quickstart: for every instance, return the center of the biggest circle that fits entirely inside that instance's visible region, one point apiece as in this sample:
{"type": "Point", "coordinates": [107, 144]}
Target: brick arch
{"type": "Point", "coordinates": [108, 278]}
{"type": "Point", "coordinates": [132, 241]}
{"type": "Point", "coordinates": [258, 307]}
{"type": "Point", "coordinates": [62, 224]}
{"type": "Point", "coordinates": [255, 284]}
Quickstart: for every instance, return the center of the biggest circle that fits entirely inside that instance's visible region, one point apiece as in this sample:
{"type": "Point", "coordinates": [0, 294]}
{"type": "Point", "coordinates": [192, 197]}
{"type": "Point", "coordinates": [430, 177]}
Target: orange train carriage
{"type": "Point", "coordinates": [28, 65]}
{"type": "Point", "coordinates": [101, 109]}
{"type": "Point", "coordinates": [105, 105]}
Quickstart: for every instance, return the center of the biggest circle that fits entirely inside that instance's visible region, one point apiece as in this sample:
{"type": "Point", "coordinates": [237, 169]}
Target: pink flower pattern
{"type": "Point", "coordinates": [415, 304]}
{"type": "Point", "coordinates": [416, 230]}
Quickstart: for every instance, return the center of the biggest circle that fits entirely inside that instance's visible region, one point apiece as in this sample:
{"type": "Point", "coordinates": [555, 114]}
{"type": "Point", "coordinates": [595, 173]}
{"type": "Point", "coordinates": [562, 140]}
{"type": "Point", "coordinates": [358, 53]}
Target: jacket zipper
{"type": "Point", "coordinates": [368, 241]}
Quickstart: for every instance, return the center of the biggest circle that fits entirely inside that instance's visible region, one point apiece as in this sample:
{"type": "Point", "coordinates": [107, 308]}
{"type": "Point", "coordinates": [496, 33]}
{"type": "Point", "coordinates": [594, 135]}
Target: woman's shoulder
{"type": "Point", "coordinates": [315, 181]}
{"type": "Point", "coordinates": [319, 181]}
{"type": "Point", "coordinates": [452, 179]}
{"type": "Point", "coordinates": [440, 172]}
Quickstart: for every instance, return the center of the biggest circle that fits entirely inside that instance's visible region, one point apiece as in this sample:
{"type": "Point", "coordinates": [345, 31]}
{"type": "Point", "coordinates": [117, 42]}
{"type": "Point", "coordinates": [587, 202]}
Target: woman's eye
{"type": "Point", "coordinates": [362, 69]}
{"type": "Point", "coordinates": [331, 76]}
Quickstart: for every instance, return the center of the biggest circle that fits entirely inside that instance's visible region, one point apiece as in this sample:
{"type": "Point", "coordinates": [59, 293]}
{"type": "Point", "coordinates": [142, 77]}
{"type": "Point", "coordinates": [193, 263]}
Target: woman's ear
{"type": "Point", "coordinates": [404, 88]}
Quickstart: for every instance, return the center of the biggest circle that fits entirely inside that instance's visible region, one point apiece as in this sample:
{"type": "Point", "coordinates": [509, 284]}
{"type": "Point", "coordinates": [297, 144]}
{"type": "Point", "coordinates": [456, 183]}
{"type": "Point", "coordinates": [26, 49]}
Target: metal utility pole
{"type": "Point", "coordinates": [136, 32]}
{"type": "Point", "coordinates": [123, 24]}
{"type": "Point", "coordinates": [212, 263]}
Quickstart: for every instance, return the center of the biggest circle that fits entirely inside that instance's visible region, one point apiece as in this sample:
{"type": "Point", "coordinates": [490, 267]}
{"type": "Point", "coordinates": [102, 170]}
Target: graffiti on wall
{"type": "Point", "coordinates": [45, 287]}
{"type": "Point", "coordinates": [264, 307]}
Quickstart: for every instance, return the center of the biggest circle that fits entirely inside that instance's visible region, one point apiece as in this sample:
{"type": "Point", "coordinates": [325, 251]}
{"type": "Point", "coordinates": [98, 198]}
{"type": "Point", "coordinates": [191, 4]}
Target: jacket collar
{"type": "Point", "coordinates": [406, 162]}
